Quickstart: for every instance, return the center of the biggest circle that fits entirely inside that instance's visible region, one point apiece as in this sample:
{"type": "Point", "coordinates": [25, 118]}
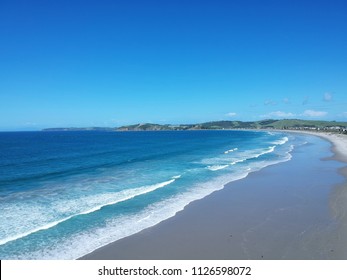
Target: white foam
{"type": "Point", "coordinates": [281, 141]}
{"type": "Point", "coordinates": [269, 150]}
{"type": "Point", "coordinates": [238, 161]}
{"type": "Point", "coordinates": [252, 154]}
{"type": "Point", "coordinates": [217, 167]}
{"type": "Point", "coordinates": [129, 194]}
{"type": "Point", "coordinates": [30, 224]}
{"type": "Point", "coordinates": [222, 162]}
{"type": "Point", "coordinates": [230, 151]}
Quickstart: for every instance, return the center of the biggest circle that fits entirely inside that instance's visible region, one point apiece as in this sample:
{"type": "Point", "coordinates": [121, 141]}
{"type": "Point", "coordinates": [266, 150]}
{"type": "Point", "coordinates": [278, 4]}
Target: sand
{"type": "Point", "coordinates": [292, 210]}
{"type": "Point", "coordinates": [338, 141]}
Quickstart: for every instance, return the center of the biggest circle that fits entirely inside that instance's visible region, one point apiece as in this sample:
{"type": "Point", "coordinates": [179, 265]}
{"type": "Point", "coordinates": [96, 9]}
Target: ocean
{"type": "Point", "coordinates": [65, 194]}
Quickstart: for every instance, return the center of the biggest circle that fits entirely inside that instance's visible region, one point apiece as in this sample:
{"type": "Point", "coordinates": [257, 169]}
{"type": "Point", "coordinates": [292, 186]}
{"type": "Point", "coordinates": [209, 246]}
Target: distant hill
{"type": "Point", "coordinates": [302, 124]}
{"type": "Point", "coordinates": [145, 126]}
{"type": "Point", "coordinates": [264, 124]}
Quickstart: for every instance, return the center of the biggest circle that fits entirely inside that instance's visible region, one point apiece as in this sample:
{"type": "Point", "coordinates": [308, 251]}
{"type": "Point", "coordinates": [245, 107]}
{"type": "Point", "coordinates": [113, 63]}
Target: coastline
{"type": "Point", "coordinates": [272, 221]}
{"type": "Point", "coordinates": [338, 141]}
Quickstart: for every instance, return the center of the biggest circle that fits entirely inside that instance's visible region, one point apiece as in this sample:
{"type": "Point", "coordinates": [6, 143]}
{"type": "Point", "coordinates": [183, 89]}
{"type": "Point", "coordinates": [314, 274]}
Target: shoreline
{"type": "Point", "coordinates": [338, 142]}
{"type": "Point", "coordinates": [187, 235]}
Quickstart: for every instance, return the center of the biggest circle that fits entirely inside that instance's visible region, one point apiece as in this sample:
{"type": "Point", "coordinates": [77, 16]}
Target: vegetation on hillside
{"type": "Point", "coordinates": [264, 124]}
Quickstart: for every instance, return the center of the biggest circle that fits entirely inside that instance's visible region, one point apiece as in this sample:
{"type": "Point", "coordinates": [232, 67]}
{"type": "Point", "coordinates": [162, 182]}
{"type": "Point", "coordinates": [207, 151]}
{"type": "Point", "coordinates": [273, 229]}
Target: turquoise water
{"type": "Point", "coordinates": [64, 194]}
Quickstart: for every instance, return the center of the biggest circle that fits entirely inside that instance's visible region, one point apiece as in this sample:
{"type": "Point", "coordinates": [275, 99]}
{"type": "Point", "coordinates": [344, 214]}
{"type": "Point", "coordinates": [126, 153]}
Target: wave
{"type": "Point", "coordinates": [238, 161]}
{"type": "Point", "coordinates": [281, 141]}
{"type": "Point", "coordinates": [230, 151]}
{"type": "Point", "coordinates": [269, 150]}
{"type": "Point", "coordinates": [217, 167]}
{"type": "Point", "coordinates": [124, 195]}
{"type": "Point", "coordinates": [252, 155]}
{"type": "Point", "coordinates": [219, 162]}
{"type": "Point", "coordinates": [133, 193]}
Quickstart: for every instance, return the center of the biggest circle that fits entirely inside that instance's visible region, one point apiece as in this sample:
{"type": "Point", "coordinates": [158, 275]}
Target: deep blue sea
{"type": "Point", "coordinates": [64, 194]}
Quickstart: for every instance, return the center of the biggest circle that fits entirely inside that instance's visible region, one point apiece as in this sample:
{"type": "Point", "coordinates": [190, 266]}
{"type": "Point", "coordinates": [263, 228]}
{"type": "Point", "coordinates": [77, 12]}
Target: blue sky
{"type": "Point", "coordinates": [110, 63]}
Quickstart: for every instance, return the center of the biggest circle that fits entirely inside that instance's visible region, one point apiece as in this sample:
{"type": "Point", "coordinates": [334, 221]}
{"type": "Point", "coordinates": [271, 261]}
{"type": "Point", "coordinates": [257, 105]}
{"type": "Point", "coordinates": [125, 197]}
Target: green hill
{"type": "Point", "coordinates": [302, 124]}
{"type": "Point", "coordinates": [146, 127]}
{"type": "Point", "coordinates": [263, 124]}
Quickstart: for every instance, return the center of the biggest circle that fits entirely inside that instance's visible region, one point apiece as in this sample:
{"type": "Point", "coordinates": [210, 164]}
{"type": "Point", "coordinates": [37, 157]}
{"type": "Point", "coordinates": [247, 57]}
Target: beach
{"type": "Point", "coordinates": [292, 210]}
{"type": "Point", "coordinates": [338, 142]}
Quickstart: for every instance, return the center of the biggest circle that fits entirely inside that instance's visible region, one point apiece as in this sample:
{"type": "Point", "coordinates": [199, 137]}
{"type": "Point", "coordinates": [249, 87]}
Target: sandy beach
{"type": "Point", "coordinates": [338, 141]}
{"type": "Point", "coordinates": [293, 210]}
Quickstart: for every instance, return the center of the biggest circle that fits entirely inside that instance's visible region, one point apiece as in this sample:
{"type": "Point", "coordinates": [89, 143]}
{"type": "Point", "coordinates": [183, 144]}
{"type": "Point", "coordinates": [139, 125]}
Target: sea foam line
{"type": "Point", "coordinates": [217, 167]}
{"type": "Point", "coordinates": [239, 161]}
{"type": "Point", "coordinates": [281, 141]}
{"type": "Point", "coordinates": [267, 151]}
{"type": "Point", "coordinates": [230, 151]}
{"type": "Point", "coordinates": [134, 193]}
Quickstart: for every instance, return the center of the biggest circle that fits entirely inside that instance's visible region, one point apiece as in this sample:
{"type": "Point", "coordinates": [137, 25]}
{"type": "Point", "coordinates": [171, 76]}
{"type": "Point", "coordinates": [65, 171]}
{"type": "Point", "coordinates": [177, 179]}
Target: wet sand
{"type": "Point", "coordinates": [292, 210]}
{"type": "Point", "coordinates": [338, 142]}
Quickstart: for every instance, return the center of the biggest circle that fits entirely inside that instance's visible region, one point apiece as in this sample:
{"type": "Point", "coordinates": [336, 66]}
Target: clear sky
{"type": "Point", "coordinates": [110, 63]}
